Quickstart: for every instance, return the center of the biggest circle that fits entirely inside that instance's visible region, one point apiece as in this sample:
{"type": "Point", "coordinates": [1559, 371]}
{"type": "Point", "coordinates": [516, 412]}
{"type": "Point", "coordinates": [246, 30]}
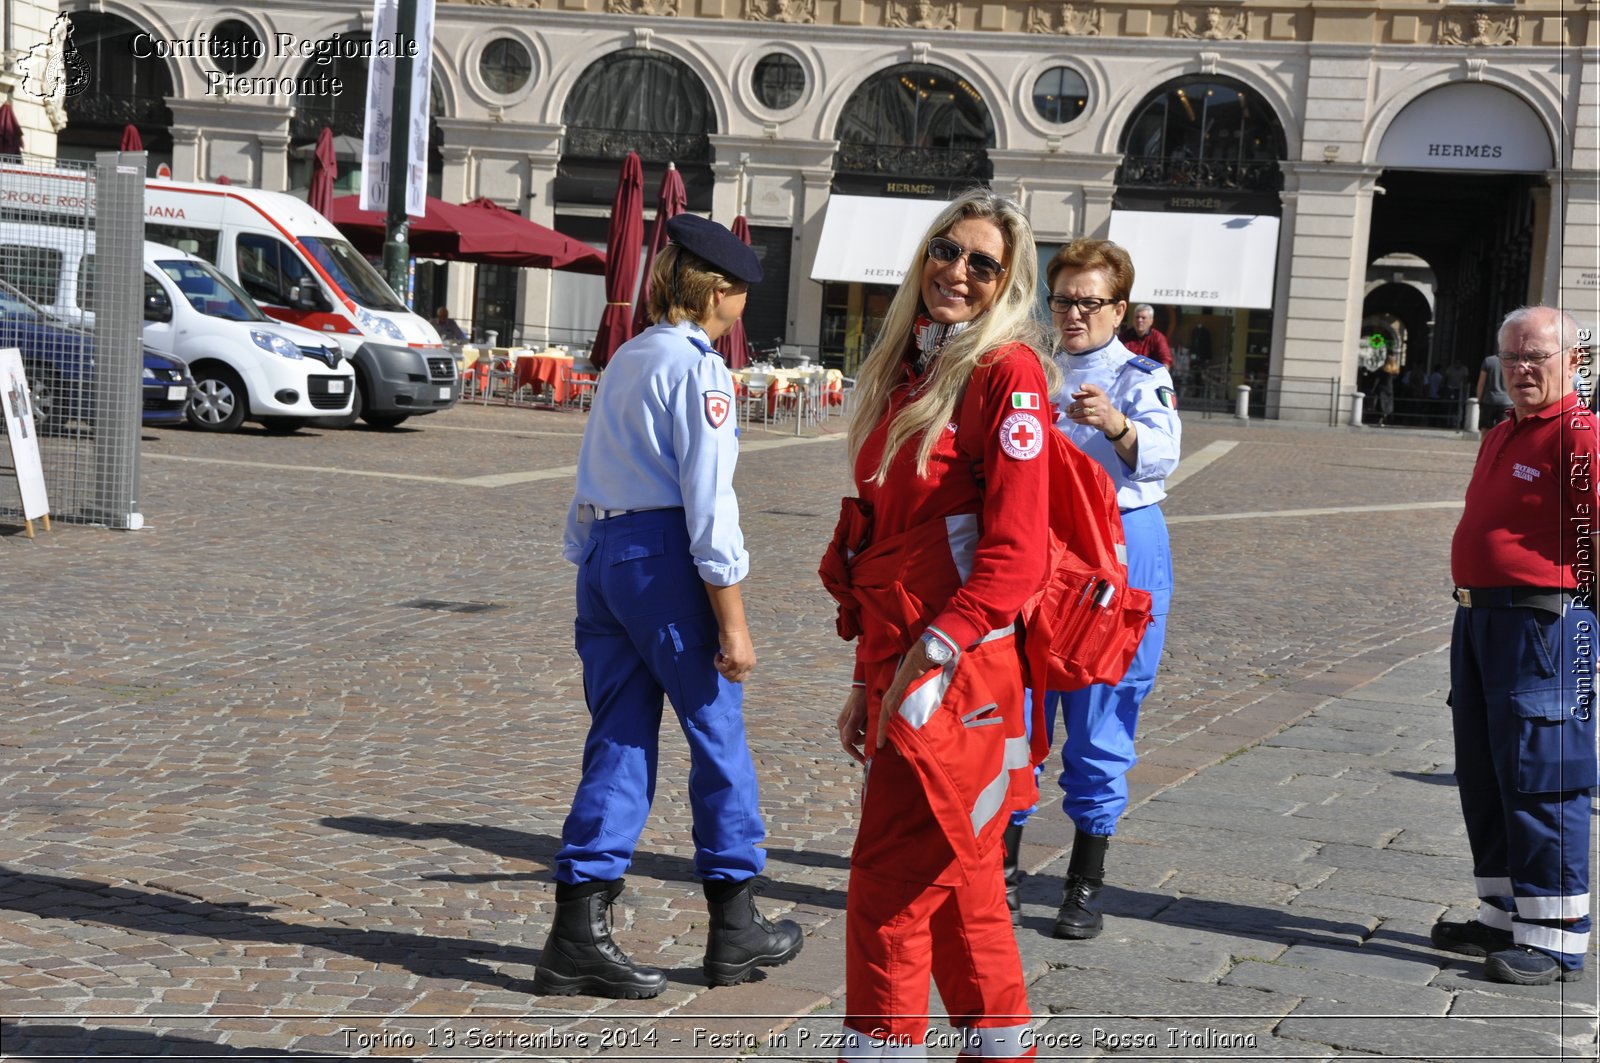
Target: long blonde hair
{"type": "Point", "coordinates": [1013, 317]}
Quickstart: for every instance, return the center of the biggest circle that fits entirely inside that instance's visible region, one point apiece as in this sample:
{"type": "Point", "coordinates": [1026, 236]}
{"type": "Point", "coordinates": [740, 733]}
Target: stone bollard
{"type": "Point", "coordinates": [1469, 420]}
{"type": "Point", "coordinates": [491, 338]}
{"type": "Point", "coordinates": [1241, 405]}
{"type": "Point", "coordinates": [1357, 401]}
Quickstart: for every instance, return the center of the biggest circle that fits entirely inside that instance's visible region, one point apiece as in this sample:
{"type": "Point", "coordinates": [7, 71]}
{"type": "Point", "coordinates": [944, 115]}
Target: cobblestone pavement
{"type": "Point", "coordinates": [283, 774]}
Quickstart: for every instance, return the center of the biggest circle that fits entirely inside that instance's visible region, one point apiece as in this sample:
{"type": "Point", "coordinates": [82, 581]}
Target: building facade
{"type": "Point", "coordinates": [1292, 177]}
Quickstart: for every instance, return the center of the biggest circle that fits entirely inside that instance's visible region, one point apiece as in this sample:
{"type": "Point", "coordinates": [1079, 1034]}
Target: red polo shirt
{"type": "Point", "coordinates": [1531, 502]}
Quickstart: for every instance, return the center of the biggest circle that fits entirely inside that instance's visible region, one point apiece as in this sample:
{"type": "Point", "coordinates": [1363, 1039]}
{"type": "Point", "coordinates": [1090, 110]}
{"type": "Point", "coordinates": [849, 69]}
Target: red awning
{"type": "Point", "coordinates": [469, 234]}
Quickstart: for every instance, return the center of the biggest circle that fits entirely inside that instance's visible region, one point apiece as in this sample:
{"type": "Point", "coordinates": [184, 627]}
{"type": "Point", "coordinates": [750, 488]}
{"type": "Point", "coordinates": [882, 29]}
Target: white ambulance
{"type": "Point", "coordinates": [300, 269]}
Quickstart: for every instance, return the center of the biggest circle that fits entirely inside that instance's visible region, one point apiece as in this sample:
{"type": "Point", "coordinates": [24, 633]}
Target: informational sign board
{"type": "Point", "coordinates": [18, 404]}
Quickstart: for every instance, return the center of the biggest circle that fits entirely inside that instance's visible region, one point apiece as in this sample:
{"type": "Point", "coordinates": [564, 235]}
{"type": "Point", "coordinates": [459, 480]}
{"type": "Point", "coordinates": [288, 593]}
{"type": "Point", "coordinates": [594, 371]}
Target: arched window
{"type": "Point", "coordinates": [1203, 133]}
{"type": "Point", "coordinates": [128, 85]}
{"type": "Point", "coordinates": [637, 100]}
{"type": "Point", "coordinates": [916, 119]}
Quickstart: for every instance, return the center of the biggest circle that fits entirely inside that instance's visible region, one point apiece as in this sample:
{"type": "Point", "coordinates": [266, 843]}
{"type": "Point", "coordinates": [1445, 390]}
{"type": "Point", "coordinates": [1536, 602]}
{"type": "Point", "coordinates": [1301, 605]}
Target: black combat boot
{"type": "Point", "coordinates": [1079, 916]}
{"type": "Point", "coordinates": [580, 957]}
{"type": "Point", "coordinates": [741, 938]}
{"type": "Point", "coordinates": [1013, 842]}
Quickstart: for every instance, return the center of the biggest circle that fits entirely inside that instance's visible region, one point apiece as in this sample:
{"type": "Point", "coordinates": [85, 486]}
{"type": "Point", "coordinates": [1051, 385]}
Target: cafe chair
{"type": "Point", "coordinates": [502, 373]}
{"type": "Point", "coordinates": [582, 377]}
{"type": "Point", "coordinates": [757, 390]}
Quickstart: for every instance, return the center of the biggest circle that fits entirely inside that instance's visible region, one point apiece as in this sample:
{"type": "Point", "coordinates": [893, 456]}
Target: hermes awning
{"type": "Point", "coordinates": [871, 239]}
{"type": "Point", "coordinates": [1199, 259]}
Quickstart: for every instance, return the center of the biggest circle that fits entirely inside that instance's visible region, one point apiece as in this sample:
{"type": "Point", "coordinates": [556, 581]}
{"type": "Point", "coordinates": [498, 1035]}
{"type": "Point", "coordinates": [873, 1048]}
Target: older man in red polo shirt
{"type": "Point", "coordinates": [1522, 663]}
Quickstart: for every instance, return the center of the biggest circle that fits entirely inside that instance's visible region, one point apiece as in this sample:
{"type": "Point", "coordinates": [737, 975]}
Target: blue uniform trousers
{"type": "Point", "coordinates": [645, 630]}
{"type": "Point", "coordinates": [1522, 703]}
{"type": "Point", "coordinates": [1100, 721]}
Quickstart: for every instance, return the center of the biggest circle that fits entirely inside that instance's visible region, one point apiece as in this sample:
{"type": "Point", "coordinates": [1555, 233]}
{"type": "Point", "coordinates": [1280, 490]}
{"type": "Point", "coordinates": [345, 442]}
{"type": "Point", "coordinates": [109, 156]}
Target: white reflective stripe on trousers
{"type": "Point", "coordinates": [1550, 939]}
{"type": "Point", "coordinates": [1574, 907]}
{"type": "Point", "coordinates": [920, 702]}
{"type": "Point", "coordinates": [1492, 887]}
{"type": "Point", "coordinates": [992, 798]}
{"type": "Point", "coordinates": [1494, 918]}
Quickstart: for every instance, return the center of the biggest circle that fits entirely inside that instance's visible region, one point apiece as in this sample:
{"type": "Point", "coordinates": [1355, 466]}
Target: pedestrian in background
{"type": "Point", "coordinates": [1144, 338]}
{"type": "Point", "coordinates": [1384, 379]}
{"type": "Point", "coordinates": [932, 565]}
{"type": "Point", "coordinates": [1522, 664]}
{"type": "Point", "coordinates": [1121, 410]}
{"type": "Point", "coordinates": [1491, 392]}
{"type": "Point", "coordinates": [654, 529]}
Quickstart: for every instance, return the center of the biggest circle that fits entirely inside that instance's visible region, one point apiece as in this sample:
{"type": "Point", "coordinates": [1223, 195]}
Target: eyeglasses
{"type": "Point", "coordinates": [1530, 357]}
{"type": "Point", "coordinates": [981, 267]}
{"type": "Point", "coordinates": [1087, 306]}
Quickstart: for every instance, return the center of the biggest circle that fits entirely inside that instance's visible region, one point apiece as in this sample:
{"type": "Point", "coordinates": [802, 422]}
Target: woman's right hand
{"type": "Point", "coordinates": [853, 724]}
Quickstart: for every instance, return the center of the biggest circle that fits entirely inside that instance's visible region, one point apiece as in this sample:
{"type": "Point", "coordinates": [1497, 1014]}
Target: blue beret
{"type": "Point", "coordinates": [725, 252]}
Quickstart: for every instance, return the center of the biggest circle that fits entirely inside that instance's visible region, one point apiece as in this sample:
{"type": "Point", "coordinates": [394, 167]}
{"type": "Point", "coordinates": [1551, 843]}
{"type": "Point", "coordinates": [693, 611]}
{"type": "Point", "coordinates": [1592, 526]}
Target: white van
{"type": "Point", "coordinates": [295, 264]}
{"type": "Point", "coordinates": [244, 364]}
{"type": "Point", "coordinates": [300, 269]}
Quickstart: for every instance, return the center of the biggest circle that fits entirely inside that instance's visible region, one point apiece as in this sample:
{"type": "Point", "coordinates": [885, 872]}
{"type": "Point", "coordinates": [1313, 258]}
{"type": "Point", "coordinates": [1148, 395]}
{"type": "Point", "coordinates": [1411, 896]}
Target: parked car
{"type": "Point", "coordinates": [167, 388]}
{"type": "Point", "coordinates": [245, 364]}
{"type": "Point", "coordinates": [58, 359]}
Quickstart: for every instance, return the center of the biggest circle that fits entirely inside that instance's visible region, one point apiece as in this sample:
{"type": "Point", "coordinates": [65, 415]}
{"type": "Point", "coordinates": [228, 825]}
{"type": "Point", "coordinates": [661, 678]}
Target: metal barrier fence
{"type": "Point", "coordinates": [71, 300]}
{"type": "Point", "coordinates": [1289, 398]}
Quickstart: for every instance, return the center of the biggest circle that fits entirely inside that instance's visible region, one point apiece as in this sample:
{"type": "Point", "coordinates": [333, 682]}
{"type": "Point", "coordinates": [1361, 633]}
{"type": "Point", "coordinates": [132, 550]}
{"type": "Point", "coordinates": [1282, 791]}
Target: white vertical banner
{"type": "Point", "coordinates": [388, 43]}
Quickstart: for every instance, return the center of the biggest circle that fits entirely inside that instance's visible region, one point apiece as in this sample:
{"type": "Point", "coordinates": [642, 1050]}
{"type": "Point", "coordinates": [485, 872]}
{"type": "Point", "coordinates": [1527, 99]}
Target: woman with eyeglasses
{"type": "Point", "coordinates": [1121, 410]}
{"type": "Point", "coordinates": [931, 564]}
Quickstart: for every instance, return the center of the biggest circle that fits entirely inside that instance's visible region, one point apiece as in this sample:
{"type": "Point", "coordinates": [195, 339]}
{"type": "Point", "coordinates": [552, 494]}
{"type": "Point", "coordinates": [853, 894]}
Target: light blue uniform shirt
{"type": "Point", "coordinates": [661, 434]}
{"type": "Point", "coordinates": [1132, 383]}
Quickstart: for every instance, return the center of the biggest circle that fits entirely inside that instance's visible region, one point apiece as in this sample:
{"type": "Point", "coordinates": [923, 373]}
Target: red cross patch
{"type": "Point", "coordinates": [1022, 436]}
{"type": "Point", "coordinates": [718, 403]}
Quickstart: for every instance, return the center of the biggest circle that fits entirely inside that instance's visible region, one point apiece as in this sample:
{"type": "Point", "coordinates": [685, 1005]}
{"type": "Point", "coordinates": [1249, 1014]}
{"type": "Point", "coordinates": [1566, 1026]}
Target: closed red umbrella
{"type": "Point", "coordinates": [10, 131]}
{"type": "Point", "coordinates": [624, 242]}
{"type": "Point", "coordinates": [131, 140]}
{"type": "Point", "coordinates": [671, 202]}
{"type": "Point", "coordinates": [735, 347]}
{"type": "Point", "coordinates": [324, 172]}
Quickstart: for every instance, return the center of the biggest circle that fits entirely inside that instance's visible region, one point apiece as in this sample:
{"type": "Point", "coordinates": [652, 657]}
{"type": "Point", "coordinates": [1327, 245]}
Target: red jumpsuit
{"type": "Point", "coordinates": [958, 553]}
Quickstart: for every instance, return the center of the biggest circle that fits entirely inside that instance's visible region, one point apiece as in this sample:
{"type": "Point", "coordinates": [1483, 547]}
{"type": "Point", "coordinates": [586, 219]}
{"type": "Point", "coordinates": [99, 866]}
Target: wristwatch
{"type": "Point", "coordinates": [937, 650]}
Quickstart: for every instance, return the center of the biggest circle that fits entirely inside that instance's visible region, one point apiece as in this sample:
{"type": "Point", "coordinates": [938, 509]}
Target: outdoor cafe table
{"type": "Point", "coordinates": [549, 368]}
{"type": "Point", "coordinates": [785, 381]}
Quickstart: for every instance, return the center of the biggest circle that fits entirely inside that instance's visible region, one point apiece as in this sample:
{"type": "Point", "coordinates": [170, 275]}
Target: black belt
{"type": "Point", "coordinates": [1550, 599]}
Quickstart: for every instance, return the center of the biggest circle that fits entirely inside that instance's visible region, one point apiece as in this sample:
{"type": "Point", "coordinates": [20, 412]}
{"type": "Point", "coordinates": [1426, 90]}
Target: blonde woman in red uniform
{"type": "Point", "coordinates": [931, 564]}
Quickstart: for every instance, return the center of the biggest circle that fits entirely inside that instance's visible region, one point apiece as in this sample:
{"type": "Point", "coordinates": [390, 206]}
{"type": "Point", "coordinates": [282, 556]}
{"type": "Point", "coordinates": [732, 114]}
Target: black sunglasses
{"type": "Point", "coordinates": [980, 266]}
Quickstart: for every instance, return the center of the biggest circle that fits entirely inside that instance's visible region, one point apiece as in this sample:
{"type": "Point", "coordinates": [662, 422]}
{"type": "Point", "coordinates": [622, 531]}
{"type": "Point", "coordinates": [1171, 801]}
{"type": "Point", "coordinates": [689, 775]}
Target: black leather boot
{"type": "Point", "coordinates": [741, 938]}
{"type": "Point", "coordinates": [1079, 916]}
{"type": "Point", "coordinates": [1013, 842]}
{"type": "Point", "coordinates": [580, 957]}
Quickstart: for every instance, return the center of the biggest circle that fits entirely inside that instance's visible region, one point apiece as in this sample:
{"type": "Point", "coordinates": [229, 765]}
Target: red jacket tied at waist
{"type": "Point", "coordinates": [887, 592]}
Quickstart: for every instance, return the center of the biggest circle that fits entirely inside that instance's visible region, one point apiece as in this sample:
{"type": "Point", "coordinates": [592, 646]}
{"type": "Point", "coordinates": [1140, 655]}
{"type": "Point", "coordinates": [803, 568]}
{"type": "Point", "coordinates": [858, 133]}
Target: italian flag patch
{"type": "Point", "coordinates": [1024, 400]}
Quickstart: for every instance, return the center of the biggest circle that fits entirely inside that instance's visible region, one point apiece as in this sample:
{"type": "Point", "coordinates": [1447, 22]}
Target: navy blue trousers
{"type": "Point", "coordinates": [1522, 703]}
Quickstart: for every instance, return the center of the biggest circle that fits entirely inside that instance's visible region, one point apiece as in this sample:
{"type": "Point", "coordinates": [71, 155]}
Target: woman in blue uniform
{"type": "Point", "coordinates": [1120, 409]}
{"type": "Point", "coordinates": [654, 530]}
